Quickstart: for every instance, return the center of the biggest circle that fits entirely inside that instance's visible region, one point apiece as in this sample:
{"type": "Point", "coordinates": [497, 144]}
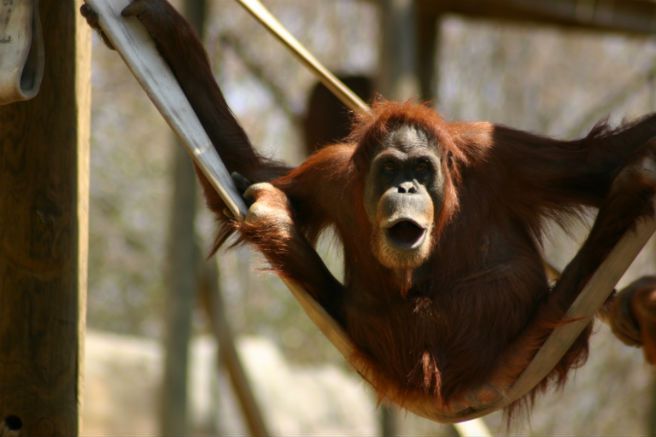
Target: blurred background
{"type": "Point", "coordinates": [157, 306]}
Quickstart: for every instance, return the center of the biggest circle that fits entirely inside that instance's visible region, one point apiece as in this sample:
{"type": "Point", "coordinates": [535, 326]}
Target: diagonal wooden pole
{"type": "Point", "coordinates": [137, 49]}
{"type": "Point", "coordinates": [336, 86]}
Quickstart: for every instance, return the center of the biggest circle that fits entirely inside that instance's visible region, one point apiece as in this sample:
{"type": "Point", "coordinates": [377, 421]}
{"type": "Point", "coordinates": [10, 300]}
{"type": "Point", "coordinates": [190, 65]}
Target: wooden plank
{"type": "Point", "coordinates": [43, 235]}
{"type": "Point", "coordinates": [137, 49]}
{"type": "Point", "coordinates": [139, 52]}
{"type": "Point", "coordinates": [584, 308]}
{"type": "Point", "coordinates": [141, 56]}
{"type": "Point", "coordinates": [580, 313]}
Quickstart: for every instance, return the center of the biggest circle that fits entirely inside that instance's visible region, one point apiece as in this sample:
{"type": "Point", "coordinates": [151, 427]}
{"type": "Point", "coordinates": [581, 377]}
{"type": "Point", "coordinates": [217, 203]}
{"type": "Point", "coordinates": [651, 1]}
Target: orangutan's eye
{"type": "Point", "coordinates": [389, 166]}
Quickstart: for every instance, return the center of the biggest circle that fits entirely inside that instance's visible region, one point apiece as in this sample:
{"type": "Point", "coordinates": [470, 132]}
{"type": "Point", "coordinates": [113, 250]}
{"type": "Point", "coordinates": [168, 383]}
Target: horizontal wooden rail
{"type": "Point", "coordinates": [624, 16]}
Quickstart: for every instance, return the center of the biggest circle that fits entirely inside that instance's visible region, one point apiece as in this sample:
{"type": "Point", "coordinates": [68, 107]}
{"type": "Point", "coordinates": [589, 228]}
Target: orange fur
{"type": "Point", "coordinates": [472, 316]}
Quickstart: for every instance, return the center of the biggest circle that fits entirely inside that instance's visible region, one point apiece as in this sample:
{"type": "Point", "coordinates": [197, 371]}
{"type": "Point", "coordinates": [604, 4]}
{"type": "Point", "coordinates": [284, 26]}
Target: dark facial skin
{"type": "Point", "coordinates": [403, 192]}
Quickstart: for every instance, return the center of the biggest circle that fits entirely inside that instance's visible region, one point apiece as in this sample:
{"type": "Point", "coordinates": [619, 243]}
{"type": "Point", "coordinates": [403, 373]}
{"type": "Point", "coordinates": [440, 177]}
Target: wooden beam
{"type": "Point", "coordinates": [427, 25]}
{"type": "Point", "coordinates": [397, 79]}
{"type": "Point", "coordinates": [43, 235]}
{"type": "Point", "coordinates": [626, 16]}
{"type": "Point", "coordinates": [229, 358]}
{"type": "Point", "coordinates": [180, 273]}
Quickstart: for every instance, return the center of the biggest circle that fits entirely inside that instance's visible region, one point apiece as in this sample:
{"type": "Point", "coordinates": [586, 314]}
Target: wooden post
{"type": "Point", "coordinates": [180, 295]}
{"type": "Point", "coordinates": [183, 259]}
{"type": "Point", "coordinates": [397, 65]}
{"type": "Point", "coordinates": [43, 235]}
{"type": "Point", "coordinates": [398, 79]}
{"type": "Point", "coordinates": [229, 358]}
{"type": "Point", "coordinates": [427, 49]}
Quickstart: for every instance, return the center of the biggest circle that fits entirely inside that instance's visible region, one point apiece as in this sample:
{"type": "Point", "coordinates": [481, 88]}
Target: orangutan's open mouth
{"type": "Point", "coordinates": [405, 234]}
